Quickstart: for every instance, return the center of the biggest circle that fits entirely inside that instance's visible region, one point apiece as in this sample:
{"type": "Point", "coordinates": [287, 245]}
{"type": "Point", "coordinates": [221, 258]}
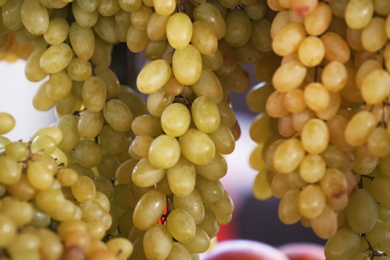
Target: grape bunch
{"type": "Point", "coordinates": [322, 131]}
{"type": "Point", "coordinates": [48, 210]}
{"type": "Point", "coordinates": [133, 177]}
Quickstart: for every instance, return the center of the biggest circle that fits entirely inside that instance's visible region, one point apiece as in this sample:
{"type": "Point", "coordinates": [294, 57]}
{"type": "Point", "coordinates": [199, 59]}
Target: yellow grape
{"type": "Point", "coordinates": [334, 76]}
{"type": "Point", "coordinates": [187, 65]}
{"type": "Point", "coordinates": [376, 86]}
{"type": "Point", "coordinates": [289, 76]}
{"type": "Point", "coordinates": [164, 152]}
{"type": "Point", "coordinates": [325, 225]}
{"type": "Point", "coordinates": [315, 136]}
{"type": "Point", "coordinates": [179, 30]}
{"type": "Point", "coordinates": [164, 7]}
{"type": "Point", "coordinates": [175, 119]}
{"type": "Point", "coordinates": [374, 30]}
{"type": "Point", "coordinates": [311, 51]}
{"type": "Point", "coordinates": [56, 58]}
{"type": "Point", "coordinates": [261, 187]}
{"type": "Point", "coordinates": [156, 27]}
{"type": "Point", "coordinates": [35, 17]}
{"type": "Point", "coordinates": [359, 128]}
{"type": "Point", "coordinates": [204, 38]}
{"type": "Point", "coordinates": [157, 241]}
{"type": "Point", "coordinates": [210, 14]}
{"type": "Point", "coordinates": [118, 115]}
{"type": "Point", "coordinates": [336, 48]}
{"type": "Point", "coordinates": [312, 168]}
{"type": "Point", "coordinates": [7, 122]}
{"type": "Point", "coordinates": [205, 114]}
{"type": "Point", "coordinates": [182, 177]}
{"type": "Point", "coordinates": [149, 209]}
{"type": "Point", "coordinates": [317, 97]}
{"type": "Point", "coordinates": [208, 85]}
{"type": "Point", "coordinates": [288, 155]}
{"type": "Point", "coordinates": [140, 18]}
{"type": "Point", "coordinates": [197, 147]}
{"type": "Point", "coordinates": [288, 211]}
{"type": "Point", "coordinates": [153, 76]}
{"type": "Point", "coordinates": [145, 174]}
{"type": "Point", "coordinates": [181, 225]}
{"type": "Point", "coordinates": [311, 201]}
{"type": "Point", "coordinates": [287, 40]}
{"type": "Point", "coordinates": [82, 40]}
{"type": "Point", "coordinates": [84, 16]}
{"type": "Point", "coordinates": [358, 13]}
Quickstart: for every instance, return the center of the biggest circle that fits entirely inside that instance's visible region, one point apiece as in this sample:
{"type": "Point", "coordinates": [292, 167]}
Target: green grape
{"type": "Point", "coordinates": [238, 28]}
{"type": "Point", "coordinates": [149, 209]}
{"type": "Point", "coordinates": [56, 58]}
{"type": "Point", "coordinates": [209, 223]}
{"type": "Point", "coordinates": [204, 38]}
{"type": "Point", "coordinates": [157, 242]}
{"type": "Point", "coordinates": [11, 15]}
{"type": "Point", "coordinates": [35, 17]}
{"type": "Point", "coordinates": [84, 189]}
{"type": "Point", "coordinates": [164, 152]}
{"type": "Point", "coordinates": [261, 187]}
{"type": "Point", "coordinates": [205, 114]}
{"type": "Point", "coordinates": [117, 115]}
{"type": "Point", "coordinates": [178, 251]}
{"type": "Point", "coordinates": [175, 119]}
{"type": "Point", "coordinates": [112, 141]}
{"type": "Point", "coordinates": [7, 122]}
{"type": "Point", "coordinates": [200, 243]}
{"type": "Point", "coordinates": [82, 40]}
{"type": "Point", "coordinates": [140, 146]}
{"type": "Point", "coordinates": [288, 211]}
{"type": "Point", "coordinates": [181, 178]}
{"type": "Point", "coordinates": [84, 16]}
{"type": "Point", "coordinates": [208, 85]}
{"type": "Point", "coordinates": [145, 174]}
{"type": "Point", "coordinates": [90, 124]}
{"type": "Point", "coordinates": [179, 30]}
{"type": "Point", "coordinates": [53, 132]}
{"type": "Point", "coordinates": [91, 211]}
{"type": "Point", "coordinates": [88, 153]}
{"type": "Point", "coordinates": [158, 101]}
{"type": "Point", "coordinates": [18, 150]}
{"type": "Point", "coordinates": [193, 204]}
{"type": "Point", "coordinates": [209, 13]}
{"type": "Point", "coordinates": [214, 170]}
{"type": "Point", "coordinates": [187, 65]}
{"type": "Point", "coordinates": [108, 165]}
{"type": "Point", "coordinates": [379, 189]}
{"type": "Point", "coordinates": [139, 19]}
{"type": "Point", "coordinates": [10, 170]}
{"type": "Point", "coordinates": [362, 211]}
{"type": "Point", "coordinates": [197, 147]}
{"type": "Point", "coordinates": [224, 206]}
{"type": "Point", "coordinates": [110, 79]}
{"type": "Point", "coordinates": [326, 224]}
{"type": "Point", "coordinates": [153, 76]}
{"type": "Point", "coordinates": [223, 139]}
{"type": "Point", "coordinates": [181, 225]}
{"type": "Point", "coordinates": [120, 247]}
{"type": "Point", "coordinates": [379, 237]}
{"type": "Point", "coordinates": [20, 212]}
{"type": "Point", "coordinates": [7, 230]}
{"type": "Point", "coordinates": [343, 245]}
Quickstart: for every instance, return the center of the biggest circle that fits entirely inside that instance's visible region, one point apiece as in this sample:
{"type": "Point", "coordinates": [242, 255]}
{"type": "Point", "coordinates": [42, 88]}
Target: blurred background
{"type": "Point", "coordinates": [253, 219]}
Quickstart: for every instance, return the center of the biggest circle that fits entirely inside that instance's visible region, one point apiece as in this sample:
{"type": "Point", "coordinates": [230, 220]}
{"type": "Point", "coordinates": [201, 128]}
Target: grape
{"type": "Point", "coordinates": [7, 122]}
{"type": "Point", "coordinates": [179, 30]}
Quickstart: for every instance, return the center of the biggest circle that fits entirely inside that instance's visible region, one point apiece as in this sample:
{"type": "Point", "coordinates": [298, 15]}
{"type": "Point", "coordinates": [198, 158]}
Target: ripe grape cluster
{"type": "Point", "coordinates": [118, 175]}
{"type": "Point", "coordinates": [322, 133]}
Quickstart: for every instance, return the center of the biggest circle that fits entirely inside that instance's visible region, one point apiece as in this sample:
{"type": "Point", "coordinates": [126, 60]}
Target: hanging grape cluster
{"type": "Point", "coordinates": [322, 131]}
{"type": "Point", "coordinates": [119, 176]}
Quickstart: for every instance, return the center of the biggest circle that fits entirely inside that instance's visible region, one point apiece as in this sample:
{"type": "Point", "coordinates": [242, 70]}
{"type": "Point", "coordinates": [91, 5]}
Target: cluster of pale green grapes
{"type": "Point", "coordinates": [158, 163]}
{"type": "Point", "coordinates": [48, 210]}
{"type": "Point", "coordinates": [322, 130]}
